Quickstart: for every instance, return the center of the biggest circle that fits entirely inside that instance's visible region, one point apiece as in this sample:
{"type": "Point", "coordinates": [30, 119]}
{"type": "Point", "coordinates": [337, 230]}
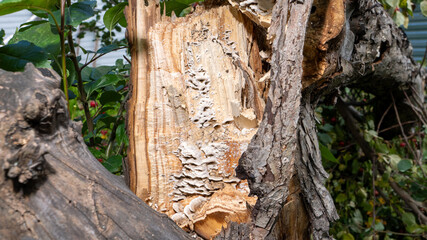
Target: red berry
{"type": "Point", "coordinates": [402, 144]}
{"type": "Point", "coordinates": [414, 140]}
{"type": "Point", "coordinates": [397, 9]}
{"type": "Point", "coordinates": [100, 160]}
{"type": "Point", "coordinates": [341, 143]}
{"type": "Point", "coordinates": [333, 119]}
{"type": "Point", "coordinates": [104, 132]}
{"type": "Point", "coordinates": [93, 104]}
{"type": "Point", "coordinates": [376, 193]}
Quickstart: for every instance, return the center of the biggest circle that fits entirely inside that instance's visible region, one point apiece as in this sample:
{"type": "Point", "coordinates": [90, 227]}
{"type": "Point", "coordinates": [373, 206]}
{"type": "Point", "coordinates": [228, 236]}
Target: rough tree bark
{"type": "Point", "coordinates": [52, 188]}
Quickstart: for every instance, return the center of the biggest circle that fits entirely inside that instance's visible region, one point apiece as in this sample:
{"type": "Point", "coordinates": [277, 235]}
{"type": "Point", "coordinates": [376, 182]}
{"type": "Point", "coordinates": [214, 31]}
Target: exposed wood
{"type": "Point", "coordinates": [196, 104]}
{"type": "Point", "coordinates": [51, 187]}
{"type": "Point", "coordinates": [259, 11]}
{"type": "Point", "coordinates": [322, 42]}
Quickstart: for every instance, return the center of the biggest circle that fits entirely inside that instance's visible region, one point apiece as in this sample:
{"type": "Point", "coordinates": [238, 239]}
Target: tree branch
{"type": "Point", "coordinates": [82, 92]}
{"type": "Point", "coordinates": [371, 154]}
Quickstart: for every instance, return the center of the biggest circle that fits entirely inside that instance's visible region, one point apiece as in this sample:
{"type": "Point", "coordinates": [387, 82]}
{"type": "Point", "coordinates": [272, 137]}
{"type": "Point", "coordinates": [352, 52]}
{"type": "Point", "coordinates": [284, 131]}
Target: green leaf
{"type": "Point", "coordinates": [96, 153]}
{"type": "Point", "coordinates": [76, 13]}
{"type": "Point", "coordinates": [358, 218]}
{"type": "Point", "coordinates": [381, 147]}
{"type": "Point", "coordinates": [404, 165]}
{"type": "Point", "coordinates": [172, 6]}
{"type": "Point", "coordinates": [423, 6]}
{"type": "Point", "coordinates": [399, 18]}
{"type": "Point", "coordinates": [11, 6]}
{"type": "Point", "coordinates": [99, 117]}
{"type": "Point", "coordinates": [107, 120]}
{"type": "Point", "coordinates": [362, 193]}
{"type": "Point", "coordinates": [28, 25]}
{"type": "Point", "coordinates": [81, 11]}
{"type": "Point", "coordinates": [394, 160]}
{"type": "Point", "coordinates": [347, 236]}
{"type": "Point", "coordinates": [121, 135]}
{"type": "Point", "coordinates": [324, 138]}
{"type": "Point", "coordinates": [341, 198]}
{"type": "Point", "coordinates": [418, 193]}
{"type": "Point", "coordinates": [41, 35]}
{"type": "Point", "coordinates": [114, 15]}
{"type": "Point", "coordinates": [109, 97]}
{"type": "Point", "coordinates": [89, 74]}
{"type": "Point", "coordinates": [408, 219]}
{"type": "Point", "coordinates": [176, 6]}
{"type": "Point", "coordinates": [415, 229]}
{"type": "Point", "coordinates": [326, 154]}
{"type": "Point", "coordinates": [123, 22]}
{"type": "Point", "coordinates": [327, 127]}
{"type": "Point", "coordinates": [107, 48]}
{"type": "Point", "coordinates": [393, 3]}
{"type": "Point", "coordinates": [408, 7]}
{"type": "Point", "coordinates": [379, 226]}
{"type": "Point", "coordinates": [369, 135]}
{"type": "Point", "coordinates": [104, 81]}
{"type": "Point", "coordinates": [2, 34]}
{"type": "Point", "coordinates": [186, 11]}
{"type": "Point", "coordinates": [14, 57]}
{"type": "Point", "coordinates": [113, 163]}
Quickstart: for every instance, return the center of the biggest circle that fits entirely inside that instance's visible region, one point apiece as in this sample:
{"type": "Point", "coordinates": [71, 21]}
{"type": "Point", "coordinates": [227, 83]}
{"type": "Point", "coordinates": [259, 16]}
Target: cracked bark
{"type": "Point", "coordinates": [51, 186]}
{"type": "Point", "coordinates": [268, 162]}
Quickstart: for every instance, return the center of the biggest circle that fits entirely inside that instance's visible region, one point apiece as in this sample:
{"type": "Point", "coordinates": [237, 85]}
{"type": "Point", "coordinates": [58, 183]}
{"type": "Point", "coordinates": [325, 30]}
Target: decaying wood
{"type": "Point", "coordinates": [195, 106]}
{"type": "Point", "coordinates": [323, 41]}
{"type": "Point", "coordinates": [374, 54]}
{"type": "Point", "coordinates": [51, 187]}
{"type": "Point", "coordinates": [259, 11]}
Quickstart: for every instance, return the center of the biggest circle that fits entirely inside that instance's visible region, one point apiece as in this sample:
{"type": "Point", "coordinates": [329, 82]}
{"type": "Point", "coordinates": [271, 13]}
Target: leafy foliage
{"type": "Point", "coordinates": [179, 7]}
{"type": "Point", "coordinates": [32, 31]}
{"type": "Point", "coordinates": [11, 6]}
{"type": "Point", "coordinates": [14, 57]}
{"type": "Point", "coordinates": [351, 176]}
{"type": "Point", "coordinates": [114, 16]}
{"type": "Point", "coordinates": [99, 103]}
{"type": "Point", "coordinates": [76, 13]}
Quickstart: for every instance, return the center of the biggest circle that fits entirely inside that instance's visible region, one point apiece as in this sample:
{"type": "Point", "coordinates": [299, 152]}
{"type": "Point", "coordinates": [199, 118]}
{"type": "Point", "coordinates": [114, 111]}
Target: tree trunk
{"type": "Point", "coordinates": [196, 103]}
{"type": "Point", "coordinates": [52, 187]}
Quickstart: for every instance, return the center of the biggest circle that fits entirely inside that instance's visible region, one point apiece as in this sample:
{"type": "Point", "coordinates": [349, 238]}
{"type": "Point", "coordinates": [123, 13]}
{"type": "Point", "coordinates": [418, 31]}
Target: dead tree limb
{"type": "Point", "coordinates": [51, 185]}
